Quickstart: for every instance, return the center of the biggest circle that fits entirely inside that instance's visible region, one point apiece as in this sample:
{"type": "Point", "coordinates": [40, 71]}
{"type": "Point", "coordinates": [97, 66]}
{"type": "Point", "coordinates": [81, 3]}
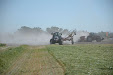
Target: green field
{"type": "Point", "coordinates": [85, 59]}
{"type": "Point", "coordinates": [8, 56]}
{"type": "Point", "coordinates": [80, 59]}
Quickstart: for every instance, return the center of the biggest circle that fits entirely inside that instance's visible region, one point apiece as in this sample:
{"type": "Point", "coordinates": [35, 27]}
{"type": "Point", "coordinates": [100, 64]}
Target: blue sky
{"type": "Point", "coordinates": [90, 15]}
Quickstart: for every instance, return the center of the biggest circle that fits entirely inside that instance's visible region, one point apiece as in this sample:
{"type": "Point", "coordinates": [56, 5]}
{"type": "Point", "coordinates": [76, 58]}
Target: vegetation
{"type": "Point", "coordinates": [29, 60]}
{"type": "Point", "coordinates": [38, 30]}
{"type": "Point", "coordinates": [7, 57]}
{"type": "Point", "coordinates": [103, 34]}
{"type": "Point", "coordinates": [1, 44]}
{"type": "Point", "coordinates": [85, 59]}
{"type": "Point", "coordinates": [81, 59]}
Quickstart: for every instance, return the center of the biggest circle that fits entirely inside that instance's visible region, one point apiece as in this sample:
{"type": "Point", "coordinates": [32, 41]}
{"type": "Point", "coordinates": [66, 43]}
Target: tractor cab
{"type": "Point", "coordinates": [56, 38]}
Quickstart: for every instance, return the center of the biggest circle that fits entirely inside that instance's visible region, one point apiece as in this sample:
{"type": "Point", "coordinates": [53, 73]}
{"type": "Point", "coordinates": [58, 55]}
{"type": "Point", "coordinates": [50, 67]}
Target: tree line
{"type": "Point", "coordinates": [38, 30]}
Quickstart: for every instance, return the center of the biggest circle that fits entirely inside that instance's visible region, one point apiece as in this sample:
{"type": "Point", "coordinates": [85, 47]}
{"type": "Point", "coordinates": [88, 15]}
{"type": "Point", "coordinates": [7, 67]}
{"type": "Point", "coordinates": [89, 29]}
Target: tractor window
{"type": "Point", "coordinates": [57, 34]}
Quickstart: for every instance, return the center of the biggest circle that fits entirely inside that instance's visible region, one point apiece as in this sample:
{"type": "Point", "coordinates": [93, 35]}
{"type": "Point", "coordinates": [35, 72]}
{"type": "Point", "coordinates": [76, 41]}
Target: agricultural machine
{"type": "Point", "coordinates": [91, 38]}
{"type": "Point", "coordinates": [57, 38]}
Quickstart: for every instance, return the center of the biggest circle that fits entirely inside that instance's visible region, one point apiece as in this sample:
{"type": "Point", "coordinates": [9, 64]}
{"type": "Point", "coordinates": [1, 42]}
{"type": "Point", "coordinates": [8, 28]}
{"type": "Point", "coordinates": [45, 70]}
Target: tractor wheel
{"type": "Point", "coordinates": [89, 39]}
{"type": "Point", "coordinates": [98, 39]}
{"type": "Point", "coordinates": [72, 42]}
{"type": "Point", "coordinates": [60, 42]}
{"type": "Point", "coordinates": [51, 41]}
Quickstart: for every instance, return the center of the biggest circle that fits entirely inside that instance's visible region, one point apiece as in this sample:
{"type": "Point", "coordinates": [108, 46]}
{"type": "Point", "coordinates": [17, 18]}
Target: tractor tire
{"type": "Point", "coordinates": [60, 42]}
{"type": "Point", "coordinates": [72, 42]}
{"type": "Point", "coordinates": [52, 42]}
{"type": "Point", "coordinates": [98, 39]}
{"type": "Point", "coordinates": [89, 39]}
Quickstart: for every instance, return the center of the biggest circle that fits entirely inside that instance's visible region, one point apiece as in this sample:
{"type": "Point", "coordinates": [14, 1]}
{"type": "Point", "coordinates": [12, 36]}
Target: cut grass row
{"type": "Point", "coordinates": [28, 60]}
{"type": "Point", "coordinates": [35, 61]}
{"type": "Point", "coordinates": [84, 59]}
{"type": "Point", "coordinates": [8, 56]}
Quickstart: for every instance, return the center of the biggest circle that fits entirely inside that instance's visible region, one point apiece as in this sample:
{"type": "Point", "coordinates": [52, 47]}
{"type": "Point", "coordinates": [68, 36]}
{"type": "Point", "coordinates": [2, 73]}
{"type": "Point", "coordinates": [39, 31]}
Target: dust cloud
{"type": "Point", "coordinates": [79, 34]}
{"type": "Point", "coordinates": [23, 39]}
{"type": "Point", "coordinates": [42, 38]}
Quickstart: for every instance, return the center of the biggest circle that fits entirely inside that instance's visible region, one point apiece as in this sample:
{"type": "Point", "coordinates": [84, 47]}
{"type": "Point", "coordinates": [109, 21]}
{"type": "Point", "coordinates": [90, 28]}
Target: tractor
{"type": "Point", "coordinates": [57, 38]}
{"type": "Point", "coordinates": [91, 37]}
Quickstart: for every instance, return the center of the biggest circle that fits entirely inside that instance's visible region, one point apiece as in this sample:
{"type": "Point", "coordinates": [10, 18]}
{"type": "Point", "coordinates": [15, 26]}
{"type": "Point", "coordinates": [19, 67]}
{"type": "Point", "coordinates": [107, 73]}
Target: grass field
{"type": "Point", "coordinates": [85, 59]}
{"type": "Point", "coordinates": [80, 59]}
{"type": "Point", "coordinates": [8, 56]}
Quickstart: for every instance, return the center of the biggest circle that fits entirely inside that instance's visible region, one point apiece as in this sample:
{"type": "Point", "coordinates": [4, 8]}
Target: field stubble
{"type": "Point", "coordinates": [85, 59]}
{"type": "Point", "coordinates": [79, 59]}
{"type": "Point", "coordinates": [35, 60]}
